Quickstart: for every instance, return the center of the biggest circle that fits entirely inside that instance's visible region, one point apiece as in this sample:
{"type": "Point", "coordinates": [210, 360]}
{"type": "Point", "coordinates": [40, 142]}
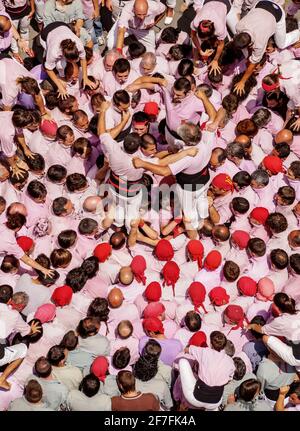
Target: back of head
{"type": "Point", "coordinates": [126, 381]}
{"type": "Point", "coordinates": [33, 392]}
{"type": "Point", "coordinates": [121, 358]}
{"type": "Point", "coordinates": [88, 327]}
{"type": "Point", "coordinates": [69, 341]}
{"type": "Point", "coordinates": [42, 367]}
{"type": "Point", "coordinates": [115, 298]}
{"type": "Point", "coordinates": [249, 389]}
{"type": "Point", "coordinates": [6, 293]}
{"type": "Point", "coordinates": [240, 368]}
{"type": "Point", "coordinates": [132, 143]}
{"type": "Point", "coordinates": [90, 385]}
{"type": "Point", "coordinates": [192, 321]}
{"type": "Point", "coordinates": [218, 341]}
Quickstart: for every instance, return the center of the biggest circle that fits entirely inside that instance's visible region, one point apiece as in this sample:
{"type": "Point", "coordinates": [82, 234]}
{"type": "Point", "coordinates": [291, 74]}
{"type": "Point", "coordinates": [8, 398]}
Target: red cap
{"type": "Point", "coordinates": [45, 313]}
{"type": "Point", "coordinates": [62, 295]}
{"type": "Point", "coordinates": [197, 294]}
{"type": "Point", "coordinates": [219, 296]}
{"type": "Point", "coordinates": [235, 314]}
{"type": "Point", "coordinates": [170, 274]}
{"type": "Point", "coordinates": [153, 292]}
{"type": "Point", "coordinates": [99, 367]}
{"type": "Point", "coordinates": [164, 250]}
{"type": "Point", "coordinates": [273, 164]}
{"type": "Point", "coordinates": [213, 260]}
{"type": "Point", "coordinates": [154, 309]}
{"type": "Point", "coordinates": [102, 251]}
{"type": "Point", "coordinates": [223, 182]}
{"type": "Point", "coordinates": [151, 108]}
{"type": "Point", "coordinates": [198, 339]}
{"type": "Point", "coordinates": [241, 238]}
{"type": "Point", "coordinates": [49, 127]}
{"type": "Point", "coordinates": [25, 243]}
{"type": "Point", "coordinates": [196, 251]}
{"type": "Point", "coordinates": [260, 214]}
{"type": "Point", "coordinates": [153, 324]}
{"type": "Point", "coordinates": [247, 286]}
{"type": "Point", "coordinates": [138, 266]}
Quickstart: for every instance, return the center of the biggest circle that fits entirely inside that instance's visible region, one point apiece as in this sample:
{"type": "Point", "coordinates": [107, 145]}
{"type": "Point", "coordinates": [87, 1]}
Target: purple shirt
{"type": "Point", "coordinates": [169, 348]}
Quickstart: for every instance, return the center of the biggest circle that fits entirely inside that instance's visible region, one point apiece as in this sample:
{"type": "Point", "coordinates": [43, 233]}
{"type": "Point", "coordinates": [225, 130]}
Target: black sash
{"type": "Point", "coordinates": [227, 3]}
{"type": "Point", "coordinates": [18, 12]}
{"type": "Point", "coordinates": [207, 394]}
{"type": "Point", "coordinates": [197, 180]}
{"type": "Point", "coordinates": [122, 135]}
{"type": "Point", "coordinates": [128, 189]}
{"type": "Point", "coordinates": [271, 7]}
{"type": "Point", "coordinates": [174, 134]}
{"type": "Point", "coordinates": [296, 350]}
{"type": "Point", "coordinates": [50, 27]}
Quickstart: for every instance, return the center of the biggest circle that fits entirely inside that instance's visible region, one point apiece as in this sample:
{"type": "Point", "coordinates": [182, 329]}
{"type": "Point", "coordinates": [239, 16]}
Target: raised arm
{"type": "Point", "coordinates": [208, 106]}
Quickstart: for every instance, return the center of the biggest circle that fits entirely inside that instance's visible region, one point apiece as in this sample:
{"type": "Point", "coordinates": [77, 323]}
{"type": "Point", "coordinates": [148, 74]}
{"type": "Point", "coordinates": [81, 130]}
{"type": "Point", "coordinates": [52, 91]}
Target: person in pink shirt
{"type": "Point", "coordinates": [119, 78]}
{"type": "Point", "coordinates": [258, 264]}
{"type": "Point", "coordinates": [220, 191]}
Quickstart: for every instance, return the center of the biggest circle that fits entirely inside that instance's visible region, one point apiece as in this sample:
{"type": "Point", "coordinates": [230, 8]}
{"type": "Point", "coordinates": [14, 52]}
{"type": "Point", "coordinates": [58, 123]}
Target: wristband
{"type": "Point", "coordinates": [178, 220]}
{"type": "Point", "coordinates": [120, 50]}
{"type": "Point", "coordinates": [141, 223]}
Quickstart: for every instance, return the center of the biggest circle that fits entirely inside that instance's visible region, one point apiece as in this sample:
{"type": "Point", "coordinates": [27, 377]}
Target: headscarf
{"type": "Point", "coordinates": [154, 309]}
{"type": "Point", "coordinates": [170, 274]}
{"type": "Point", "coordinates": [247, 286]}
{"type": "Point", "coordinates": [223, 182]}
{"type": "Point", "coordinates": [198, 339]}
{"type": "Point", "coordinates": [196, 251]}
{"type": "Point", "coordinates": [153, 292]}
{"type": "Point", "coordinates": [259, 214]}
{"type": "Point", "coordinates": [62, 295]}
{"type": "Point", "coordinates": [48, 127]}
{"type": "Point", "coordinates": [138, 266]}
{"type": "Point", "coordinates": [265, 289]}
{"type": "Point", "coordinates": [241, 238]}
{"type": "Point", "coordinates": [102, 251]}
{"type": "Point", "coordinates": [45, 313]}
{"type": "Point", "coordinates": [273, 164]}
{"type": "Point", "coordinates": [25, 243]}
{"type": "Point", "coordinates": [153, 324]}
{"type": "Point", "coordinates": [235, 314]}
{"type": "Point", "coordinates": [151, 108]}
{"type": "Point", "coordinates": [164, 250]}
{"type": "Point", "coordinates": [197, 293]}
{"type": "Point", "coordinates": [99, 368]}
{"type": "Point", "coordinates": [219, 296]}
{"type": "Point", "coordinates": [213, 260]}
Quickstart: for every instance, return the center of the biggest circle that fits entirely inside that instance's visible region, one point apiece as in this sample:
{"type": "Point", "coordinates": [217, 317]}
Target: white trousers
{"type": "Point", "coordinates": [21, 24]}
{"type": "Point", "coordinates": [282, 38]}
{"type": "Point", "coordinates": [12, 353]}
{"type": "Point", "coordinates": [188, 382]}
{"type": "Point", "coordinates": [284, 351]}
{"type": "Point", "coordinates": [126, 209]}
{"type": "Point", "coordinates": [194, 205]}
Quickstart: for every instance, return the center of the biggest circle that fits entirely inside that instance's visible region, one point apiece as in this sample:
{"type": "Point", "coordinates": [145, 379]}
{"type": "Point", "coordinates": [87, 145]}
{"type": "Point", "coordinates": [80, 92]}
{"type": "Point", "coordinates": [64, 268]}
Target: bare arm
{"type": "Point", "coordinates": [219, 51]}
{"type": "Point", "coordinates": [101, 127]}
{"type": "Point", "coordinates": [239, 86]}
{"type": "Point", "coordinates": [151, 233]}
{"type": "Point", "coordinates": [120, 38]}
{"type": "Point", "coordinates": [30, 262]}
{"type": "Point", "coordinates": [118, 129]}
{"type": "Point", "coordinates": [40, 104]}
{"type": "Point", "coordinates": [208, 106]}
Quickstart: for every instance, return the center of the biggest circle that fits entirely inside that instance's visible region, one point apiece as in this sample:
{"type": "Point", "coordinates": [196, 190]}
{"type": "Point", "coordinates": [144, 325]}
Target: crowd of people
{"type": "Point", "coordinates": [150, 206]}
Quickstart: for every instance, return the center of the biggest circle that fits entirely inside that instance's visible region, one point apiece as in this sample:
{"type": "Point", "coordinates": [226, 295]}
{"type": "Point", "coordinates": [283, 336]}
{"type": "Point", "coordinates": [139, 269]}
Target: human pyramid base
{"type": "Point", "coordinates": [149, 206]}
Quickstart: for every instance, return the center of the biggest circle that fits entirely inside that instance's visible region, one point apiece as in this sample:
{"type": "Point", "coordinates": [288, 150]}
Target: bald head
{"type": "Point", "coordinates": [140, 9]}
{"type": "Point", "coordinates": [91, 203]}
{"type": "Point", "coordinates": [220, 232]}
{"type": "Point", "coordinates": [124, 329]}
{"type": "Point", "coordinates": [148, 63]}
{"type": "Point", "coordinates": [217, 158]}
{"type": "Point", "coordinates": [109, 59]}
{"type": "Point", "coordinates": [16, 208]}
{"type": "Point", "coordinates": [243, 139]}
{"type": "Point", "coordinates": [117, 240]}
{"type": "Point", "coordinates": [115, 298]}
{"type": "Point", "coordinates": [126, 275]}
{"type": "Point", "coordinates": [284, 135]}
{"type": "Point", "coordinates": [5, 24]}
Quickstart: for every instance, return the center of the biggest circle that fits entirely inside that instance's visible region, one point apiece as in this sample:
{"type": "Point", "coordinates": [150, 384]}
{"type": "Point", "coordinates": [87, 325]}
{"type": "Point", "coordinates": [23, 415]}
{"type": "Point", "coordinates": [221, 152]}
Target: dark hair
{"type": "Point", "coordinates": [169, 35]}
{"type": "Point", "coordinates": [66, 106]}
{"type": "Point", "coordinates": [287, 194]}
{"type": "Point", "coordinates": [58, 205]}
{"type": "Point", "coordinates": [6, 293]}
{"type": "Point", "coordinates": [231, 271]}
{"type": "Point", "coordinates": [192, 321]}
{"type": "Point", "coordinates": [218, 341]}
{"type": "Point", "coordinates": [230, 103]}
{"type": "Point", "coordinates": [285, 303]}
{"type": "Point", "coordinates": [283, 150]}
{"type": "Point", "coordinates": [131, 143]}
{"type": "Point", "coordinates": [136, 49]}
{"type": "Point", "coordinates": [60, 257]}
{"type": "Point", "coordinates": [42, 367]}
{"type": "Point", "coordinates": [55, 355]}
{"type": "Point", "coordinates": [76, 182]}
{"type": "Point", "coordinates": [152, 349]}
{"type": "Point", "coordinates": [24, 118]}
{"type": "Point", "coordinates": [140, 117]}
{"type": "Point", "coordinates": [76, 279]}
{"type": "Point", "coordinates": [258, 320]}
{"type": "Point", "coordinates": [125, 381]}
{"type": "Point", "coordinates": [249, 85]}
{"type": "Point", "coordinates": [51, 99]}
{"type": "Point", "coordinates": [295, 262]}
{"type": "Point", "coordinates": [209, 29]}
{"type": "Point", "coordinates": [279, 258]}
{"type": "Point", "coordinates": [117, 240]}
{"type": "Point", "coordinates": [87, 327]}
{"type": "Point", "coordinates": [99, 308]}
{"type": "Point", "coordinates": [261, 117]}
{"type": "Point", "coordinates": [80, 146]}
{"type": "Point", "coordinates": [240, 368]}
{"type": "Point", "coordinates": [241, 40]}
{"type": "Point", "coordinates": [69, 49]}
{"type": "Point", "coordinates": [9, 263]}
{"type": "Point", "coordinates": [121, 358]}
{"type": "Point", "coordinates": [121, 65]}
{"type": "Point", "coordinates": [121, 96]}
{"type": "Point", "coordinates": [90, 266]}
{"type": "Point", "coordinates": [145, 368]}
{"type": "Point", "coordinates": [56, 173]}
{"type": "Point", "coordinates": [36, 190]}
{"type": "Point", "coordinates": [87, 226]}
{"type": "Point", "coordinates": [69, 341]}
{"type": "Point", "coordinates": [242, 179]}
{"type": "Point", "coordinates": [15, 221]}
{"type": "Point", "coordinates": [37, 163]}
{"type": "Point", "coordinates": [277, 222]}
{"type": "Point", "coordinates": [33, 392]}
{"type": "Point", "coordinates": [182, 84]}
{"type": "Point", "coordinates": [295, 168]}
{"type": "Point", "coordinates": [295, 389]}
{"type": "Point", "coordinates": [67, 238]}
{"type": "Point", "coordinates": [257, 246]}
{"type": "Point", "coordinates": [240, 205]}
{"type": "Point", "coordinates": [185, 67]}
{"type": "Point", "coordinates": [248, 389]}
{"type": "Point", "coordinates": [90, 385]}
{"type": "Point", "coordinates": [64, 131]}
